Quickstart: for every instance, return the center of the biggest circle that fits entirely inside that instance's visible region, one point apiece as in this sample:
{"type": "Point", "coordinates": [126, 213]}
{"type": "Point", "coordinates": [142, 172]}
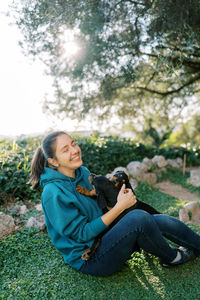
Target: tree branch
{"type": "Point", "coordinates": [186, 62]}
{"type": "Point", "coordinates": [175, 47]}
{"type": "Point", "coordinates": [189, 82]}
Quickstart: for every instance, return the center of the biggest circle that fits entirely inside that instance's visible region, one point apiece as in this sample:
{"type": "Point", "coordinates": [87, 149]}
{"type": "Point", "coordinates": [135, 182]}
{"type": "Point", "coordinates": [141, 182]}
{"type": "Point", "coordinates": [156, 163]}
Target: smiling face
{"type": "Point", "coordinates": [67, 155]}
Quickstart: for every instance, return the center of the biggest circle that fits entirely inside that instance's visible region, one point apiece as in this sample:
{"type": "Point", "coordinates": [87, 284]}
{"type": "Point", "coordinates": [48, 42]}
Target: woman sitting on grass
{"type": "Point", "coordinates": [74, 221]}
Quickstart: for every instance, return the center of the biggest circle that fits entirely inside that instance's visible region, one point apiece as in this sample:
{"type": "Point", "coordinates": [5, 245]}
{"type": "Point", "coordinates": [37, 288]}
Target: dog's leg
{"type": "Point", "coordinates": [85, 192]}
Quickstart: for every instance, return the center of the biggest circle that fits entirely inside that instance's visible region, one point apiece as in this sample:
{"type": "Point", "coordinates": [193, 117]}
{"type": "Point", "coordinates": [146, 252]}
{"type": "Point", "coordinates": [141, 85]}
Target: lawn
{"type": "Point", "coordinates": [31, 268]}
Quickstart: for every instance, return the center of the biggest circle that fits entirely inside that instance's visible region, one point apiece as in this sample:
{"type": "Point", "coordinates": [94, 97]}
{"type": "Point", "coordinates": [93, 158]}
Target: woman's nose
{"type": "Point", "coordinates": [74, 149]}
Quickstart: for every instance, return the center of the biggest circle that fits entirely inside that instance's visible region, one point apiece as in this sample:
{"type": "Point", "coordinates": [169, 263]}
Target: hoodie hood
{"type": "Point", "coordinates": [51, 175]}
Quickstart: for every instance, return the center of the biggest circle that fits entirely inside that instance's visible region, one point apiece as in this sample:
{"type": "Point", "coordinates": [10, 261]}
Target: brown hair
{"type": "Point", "coordinates": [41, 155]}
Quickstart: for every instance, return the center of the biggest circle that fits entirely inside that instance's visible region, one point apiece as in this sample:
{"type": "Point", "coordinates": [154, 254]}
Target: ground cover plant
{"type": "Point", "coordinates": [31, 268]}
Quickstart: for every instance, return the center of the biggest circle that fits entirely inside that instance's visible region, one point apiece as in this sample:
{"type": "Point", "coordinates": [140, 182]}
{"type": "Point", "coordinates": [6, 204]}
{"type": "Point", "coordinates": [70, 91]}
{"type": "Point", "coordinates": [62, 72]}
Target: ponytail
{"type": "Point", "coordinates": [37, 168]}
{"type": "Point", "coordinates": [41, 155]}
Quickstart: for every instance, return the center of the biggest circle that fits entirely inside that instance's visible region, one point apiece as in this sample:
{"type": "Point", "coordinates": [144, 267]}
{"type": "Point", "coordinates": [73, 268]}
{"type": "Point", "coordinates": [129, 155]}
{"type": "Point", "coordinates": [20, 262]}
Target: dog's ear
{"type": "Point", "coordinates": [101, 200]}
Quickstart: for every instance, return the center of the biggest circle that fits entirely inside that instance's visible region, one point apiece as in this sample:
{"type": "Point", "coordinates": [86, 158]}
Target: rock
{"type": "Point", "coordinates": [37, 222]}
{"type": "Point", "coordinates": [133, 183]}
{"type": "Point", "coordinates": [19, 210]}
{"type": "Point", "coordinates": [195, 177]}
{"type": "Point", "coordinates": [136, 169]}
{"type": "Point", "coordinates": [159, 161]}
{"type": "Point", "coordinates": [7, 225]}
{"type": "Point", "coordinates": [148, 163]}
{"type": "Point", "coordinates": [38, 207]}
{"type": "Point", "coordinates": [179, 161]}
{"type": "Point", "coordinates": [173, 163]}
{"type": "Point", "coordinates": [109, 175]}
{"type": "Point", "coordinates": [151, 178]}
{"type": "Point", "coordinates": [190, 213]}
{"type": "Point", "coordinates": [119, 169]}
{"type": "Point", "coordinates": [23, 210]}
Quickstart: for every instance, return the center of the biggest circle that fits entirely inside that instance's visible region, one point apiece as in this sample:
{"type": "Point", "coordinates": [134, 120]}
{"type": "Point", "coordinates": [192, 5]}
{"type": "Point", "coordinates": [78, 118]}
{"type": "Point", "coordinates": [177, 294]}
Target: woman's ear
{"type": "Point", "coordinates": [53, 162]}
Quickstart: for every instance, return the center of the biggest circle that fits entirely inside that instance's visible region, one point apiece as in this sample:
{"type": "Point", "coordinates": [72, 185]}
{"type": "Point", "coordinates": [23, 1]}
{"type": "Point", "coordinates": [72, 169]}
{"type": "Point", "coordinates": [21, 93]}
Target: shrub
{"type": "Point", "coordinates": [100, 155]}
{"type": "Point", "coordinates": [15, 162]}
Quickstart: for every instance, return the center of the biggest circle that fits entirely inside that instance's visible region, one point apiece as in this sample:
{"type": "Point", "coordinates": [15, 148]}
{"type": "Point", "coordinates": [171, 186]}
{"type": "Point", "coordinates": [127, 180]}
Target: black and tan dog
{"type": "Point", "coordinates": [107, 190]}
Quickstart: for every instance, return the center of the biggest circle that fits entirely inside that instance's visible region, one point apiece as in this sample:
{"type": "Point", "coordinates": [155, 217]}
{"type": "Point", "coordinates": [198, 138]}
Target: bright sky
{"type": "Point", "coordinates": [23, 86]}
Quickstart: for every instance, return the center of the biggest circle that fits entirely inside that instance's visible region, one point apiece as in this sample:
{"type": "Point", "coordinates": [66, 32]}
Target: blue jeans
{"type": "Point", "coordinates": [139, 229]}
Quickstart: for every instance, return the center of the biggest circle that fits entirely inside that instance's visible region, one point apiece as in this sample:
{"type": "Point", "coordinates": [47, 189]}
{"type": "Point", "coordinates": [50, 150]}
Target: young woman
{"type": "Point", "coordinates": [74, 221]}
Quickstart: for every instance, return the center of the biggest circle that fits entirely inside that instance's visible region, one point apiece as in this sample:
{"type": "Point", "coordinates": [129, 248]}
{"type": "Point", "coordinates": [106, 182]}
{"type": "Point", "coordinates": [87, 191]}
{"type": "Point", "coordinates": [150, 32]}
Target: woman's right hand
{"type": "Point", "coordinates": [125, 198]}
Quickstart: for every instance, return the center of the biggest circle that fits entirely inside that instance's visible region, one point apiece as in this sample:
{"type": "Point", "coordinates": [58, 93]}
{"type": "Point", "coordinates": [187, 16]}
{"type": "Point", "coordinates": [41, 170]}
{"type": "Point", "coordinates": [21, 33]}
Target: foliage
{"type": "Point", "coordinates": [25, 275]}
{"type": "Point", "coordinates": [100, 155]}
{"type": "Point", "coordinates": [15, 162]}
{"type": "Point", "coordinates": [152, 136]}
{"type": "Point", "coordinates": [188, 133]}
{"type": "Point", "coordinates": [136, 56]}
{"type": "Point", "coordinates": [114, 152]}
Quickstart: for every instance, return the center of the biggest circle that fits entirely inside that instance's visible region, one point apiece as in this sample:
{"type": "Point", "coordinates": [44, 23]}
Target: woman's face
{"type": "Point", "coordinates": [68, 155]}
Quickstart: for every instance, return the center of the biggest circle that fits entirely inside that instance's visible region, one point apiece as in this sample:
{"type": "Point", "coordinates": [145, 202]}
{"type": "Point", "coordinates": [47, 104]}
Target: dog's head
{"type": "Point", "coordinates": [105, 190]}
{"type": "Point", "coordinates": [120, 178]}
{"type": "Point", "coordinates": [98, 181]}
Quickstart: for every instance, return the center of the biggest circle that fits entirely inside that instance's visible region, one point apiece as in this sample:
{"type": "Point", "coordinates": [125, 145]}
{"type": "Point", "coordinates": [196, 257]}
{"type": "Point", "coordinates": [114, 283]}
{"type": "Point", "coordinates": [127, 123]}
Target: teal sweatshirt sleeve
{"type": "Point", "coordinates": [66, 218]}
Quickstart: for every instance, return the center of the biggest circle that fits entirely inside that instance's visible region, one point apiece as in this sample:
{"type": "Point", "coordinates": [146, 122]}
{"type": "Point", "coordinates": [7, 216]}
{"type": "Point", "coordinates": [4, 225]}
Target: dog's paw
{"type": "Point", "coordinates": [81, 190]}
{"type": "Point", "coordinates": [84, 191]}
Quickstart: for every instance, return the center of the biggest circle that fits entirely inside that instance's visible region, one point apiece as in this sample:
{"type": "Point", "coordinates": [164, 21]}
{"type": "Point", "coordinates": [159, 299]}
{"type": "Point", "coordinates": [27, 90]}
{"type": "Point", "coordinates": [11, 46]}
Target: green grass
{"type": "Point", "coordinates": [31, 268]}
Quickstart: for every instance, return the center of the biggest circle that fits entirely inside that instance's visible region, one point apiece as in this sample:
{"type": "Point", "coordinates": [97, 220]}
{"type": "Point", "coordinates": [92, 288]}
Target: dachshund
{"type": "Point", "coordinates": [106, 192]}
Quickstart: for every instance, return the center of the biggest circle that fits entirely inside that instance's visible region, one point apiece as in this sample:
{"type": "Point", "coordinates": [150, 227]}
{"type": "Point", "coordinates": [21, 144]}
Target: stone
{"type": "Point", "coordinates": [195, 177]}
{"type": "Point", "coordinates": [159, 161]}
{"type": "Point", "coordinates": [173, 163]}
{"type": "Point", "coordinates": [119, 169]}
{"type": "Point", "coordinates": [7, 225]}
{"type": "Point", "coordinates": [148, 163]}
{"type": "Point", "coordinates": [136, 169]}
{"type": "Point", "coordinates": [190, 213]}
{"type": "Point", "coordinates": [37, 222]}
{"type": "Point", "coordinates": [19, 210]}
{"type": "Point", "coordinates": [133, 183]}
{"type": "Point", "coordinates": [23, 210]}
{"type": "Point", "coordinates": [150, 178]}
{"type": "Point", "coordinates": [179, 161]}
{"type": "Point", "coordinates": [38, 207]}
{"type": "Point", "coordinates": [109, 175]}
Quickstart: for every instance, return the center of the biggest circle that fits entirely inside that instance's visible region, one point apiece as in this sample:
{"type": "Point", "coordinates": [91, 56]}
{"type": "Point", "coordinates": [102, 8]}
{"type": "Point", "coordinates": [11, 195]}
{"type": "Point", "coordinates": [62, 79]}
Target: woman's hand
{"type": "Point", "coordinates": [125, 198]}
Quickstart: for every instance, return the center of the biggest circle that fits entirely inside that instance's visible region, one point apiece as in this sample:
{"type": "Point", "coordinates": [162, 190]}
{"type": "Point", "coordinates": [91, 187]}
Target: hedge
{"type": "Point", "coordinates": [100, 155]}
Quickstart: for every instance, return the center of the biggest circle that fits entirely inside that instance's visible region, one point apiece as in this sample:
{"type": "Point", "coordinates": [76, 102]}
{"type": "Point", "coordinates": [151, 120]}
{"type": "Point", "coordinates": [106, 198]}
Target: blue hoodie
{"type": "Point", "coordinates": [72, 219]}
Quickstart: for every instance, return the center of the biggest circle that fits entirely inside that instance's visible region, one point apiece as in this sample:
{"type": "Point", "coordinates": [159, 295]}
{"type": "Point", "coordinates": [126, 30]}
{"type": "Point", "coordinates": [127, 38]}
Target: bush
{"type": "Point", "coordinates": [100, 155]}
{"type": "Point", "coordinates": [15, 163]}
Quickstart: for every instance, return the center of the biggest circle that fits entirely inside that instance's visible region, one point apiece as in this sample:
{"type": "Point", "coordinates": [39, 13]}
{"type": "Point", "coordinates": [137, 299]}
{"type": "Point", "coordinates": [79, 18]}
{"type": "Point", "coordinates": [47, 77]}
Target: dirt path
{"type": "Point", "coordinates": [177, 191]}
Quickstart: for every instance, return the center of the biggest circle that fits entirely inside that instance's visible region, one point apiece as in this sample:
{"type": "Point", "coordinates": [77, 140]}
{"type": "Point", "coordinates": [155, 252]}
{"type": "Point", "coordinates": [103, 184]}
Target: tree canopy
{"type": "Point", "coordinates": [134, 55]}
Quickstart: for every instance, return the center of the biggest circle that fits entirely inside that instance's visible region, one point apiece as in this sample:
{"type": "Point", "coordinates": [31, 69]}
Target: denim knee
{"type": "Point", "coordinates": [166, 221]}
{"type": "Point", "coordinates": [139, 218]}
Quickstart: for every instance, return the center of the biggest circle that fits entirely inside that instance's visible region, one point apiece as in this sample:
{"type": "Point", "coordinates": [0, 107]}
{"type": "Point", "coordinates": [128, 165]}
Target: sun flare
{"type": "Point", "coordinates": [70, 48]}
{"type": "Point", "coordinates": [69, 44]}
